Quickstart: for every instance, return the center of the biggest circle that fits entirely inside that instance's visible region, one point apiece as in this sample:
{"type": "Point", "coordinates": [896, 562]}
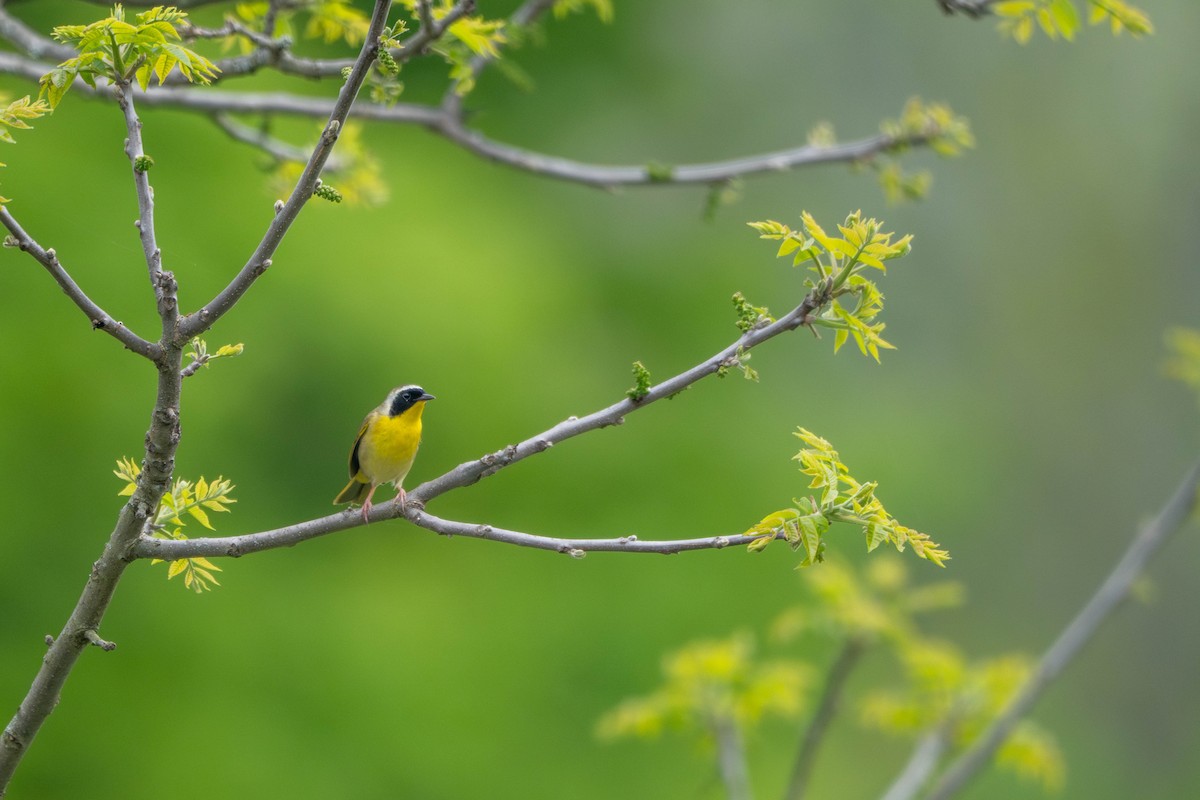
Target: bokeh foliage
{"type": "Point", "coordinates": [1023, 416]}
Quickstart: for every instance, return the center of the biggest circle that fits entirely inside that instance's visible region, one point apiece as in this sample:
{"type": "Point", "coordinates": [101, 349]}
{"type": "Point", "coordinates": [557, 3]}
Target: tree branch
{"type": "Point", "coordinates": [99, 318]}
{"type": "Point", "coordinates": [921, 764]}
{"type": "Point", "coordinates": [470, 472]}
{"type": "Point", "coordinates": [444, 122]}
{"type": "Point", "coordinates": [970, 8]}
{"type": "Point", "coordinates": [30, 41]}
{"type": "Point", "coordinates": [1112, 591]}
{"type": "Point", "coordinates": [162, 439]}
{"type": "Point", "coordinates": [731, 758]}
{"type": "Point", "coordinates": [835, 684]}
{"type": "Point", "coordinates": [275, 148]}
{"type": "Point", "coordinates": [138, 161]}
{"type": "Point", "coordinates": [197, 323]}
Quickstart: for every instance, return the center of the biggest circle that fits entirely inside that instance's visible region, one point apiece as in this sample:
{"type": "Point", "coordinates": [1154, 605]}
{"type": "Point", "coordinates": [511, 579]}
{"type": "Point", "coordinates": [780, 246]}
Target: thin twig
{"type": "Point", "coordinates": [731, 759]}
{"type": "Point", "coordinates": [200, 321]}
{"type": "Point", "coordinates": [924, 760]}
{"type": "Point", "coordinates": [275, 148]}
{"type": "Point", "coordinates": [135, 151]}
{"type": "Point", "coordinates": [98, 317]}
{"type": "Point", "coordinates": [1107, 598]}
{"type": "Point", "coordinates": [835, 683]}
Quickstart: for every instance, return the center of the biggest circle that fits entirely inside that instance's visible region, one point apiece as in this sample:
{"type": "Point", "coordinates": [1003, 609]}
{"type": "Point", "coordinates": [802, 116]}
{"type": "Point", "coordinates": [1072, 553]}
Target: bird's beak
{"type": "Point", "coordinates": [426, 396]}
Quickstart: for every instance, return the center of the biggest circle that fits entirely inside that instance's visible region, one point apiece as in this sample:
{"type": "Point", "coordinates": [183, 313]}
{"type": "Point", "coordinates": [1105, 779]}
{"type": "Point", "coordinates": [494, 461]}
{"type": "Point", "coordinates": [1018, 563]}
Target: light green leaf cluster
{"type": "Point", "coordinates": [336, 21]}
{"type": "Point", "coordinates": [359, 176]}
{"type": "Point", "coordinates": [881, 603]}
{"type": "Point", "coordinates": [122, 51]}
{"type": "Point", "coordinates": [839, 263]}
{"type": "Point", "coordinates": [200, 356]}
{"type": "Point", "coordinates": [603, 8]}
{"type": "Point", "coordinates": [936, 124]}
{"type": "Point", "coordinates": [185, 500]}
{"type": "Point", "coordinates": [945, 689]}
{"type": "Point", "coordinates": [840, 498]}
{"type": "Point", "coordinates": [1060, 18]}
{"type": "Point", "coordinates": [16, 115]}
{"type": "Point", "coordinates": [467, 37]}
{"type": "Point", "coordinates": [713, 684]}
{"type": "Point", "coordinates": [641, 382]}
{"type": "Point", "coordinates": [328, 20]}
{"type": "Point", "coordinates": [1184, 361]}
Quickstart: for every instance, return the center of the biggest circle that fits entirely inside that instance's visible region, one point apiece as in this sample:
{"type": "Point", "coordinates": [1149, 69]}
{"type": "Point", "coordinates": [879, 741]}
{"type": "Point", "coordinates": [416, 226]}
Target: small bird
{"type": "Point", "coordinates": [386, 446]}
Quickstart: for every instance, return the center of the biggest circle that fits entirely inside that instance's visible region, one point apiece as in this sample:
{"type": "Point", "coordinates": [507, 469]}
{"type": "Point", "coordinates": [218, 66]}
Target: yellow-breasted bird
{"type": "Point", "coordinates": [386, 446]}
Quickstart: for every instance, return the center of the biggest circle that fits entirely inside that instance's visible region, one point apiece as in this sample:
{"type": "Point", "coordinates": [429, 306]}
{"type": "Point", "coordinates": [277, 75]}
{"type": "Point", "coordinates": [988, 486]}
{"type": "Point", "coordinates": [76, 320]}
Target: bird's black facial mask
{"type": "Point", "coordinates": [406, 398]}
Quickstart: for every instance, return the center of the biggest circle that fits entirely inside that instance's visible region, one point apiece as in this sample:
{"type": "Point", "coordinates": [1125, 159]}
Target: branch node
{"type": "Point", "coordinates": [628, 539]}
{"type": "Point", "coordinates": [278, 206]}
{"type": "Point", "coordinates": [98, 324]}
{"type": "Point", "coordinates": [94, 638]}
{"type": "Point", "coordinates": [574, 552]}
{"type": "Point", "coordinates": [49, 640]}
{"type": "Point", "coordinates": [720, 542]}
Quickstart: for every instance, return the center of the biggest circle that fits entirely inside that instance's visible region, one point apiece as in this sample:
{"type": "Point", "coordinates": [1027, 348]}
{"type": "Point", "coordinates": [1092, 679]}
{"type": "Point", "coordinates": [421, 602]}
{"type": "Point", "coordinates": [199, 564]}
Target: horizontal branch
{"type": "Point", "coordinates": [472, 471]}
{"type": "Point", "coordinates": [291, 535]}
{"type": "Point", "coordinates": [445, 123]}
{"type": "Point", "coordinates": [30, 41]}
{"type": "Point", "coordinates": [99, 318]}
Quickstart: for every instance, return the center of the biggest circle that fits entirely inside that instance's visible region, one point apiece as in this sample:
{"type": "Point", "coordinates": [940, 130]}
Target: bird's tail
{"type": "Point", "coordinates": [354, 492]}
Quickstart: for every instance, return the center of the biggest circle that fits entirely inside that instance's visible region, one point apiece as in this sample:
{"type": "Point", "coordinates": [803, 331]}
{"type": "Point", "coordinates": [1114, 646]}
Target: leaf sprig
{"type": "Point", "coordinates": [184, 499]}
{"type": "Point", "coordinates": [123, 51]}
{"type": "Point", "coordinates": [840, 498]}
{"type": "Point", "coordinates": [711, 684]}
{"type": "Point", "coordinates": [839, 263]}
{"type": "Point", "coordinates": [1060, 18]}
{"type": "Point", "coordinates": [468, 37]}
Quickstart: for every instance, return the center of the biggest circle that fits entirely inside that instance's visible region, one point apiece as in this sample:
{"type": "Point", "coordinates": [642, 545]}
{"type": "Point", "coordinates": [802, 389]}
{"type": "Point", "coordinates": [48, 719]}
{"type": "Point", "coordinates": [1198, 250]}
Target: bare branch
{"type": "Point", "coordinates": [731, 758]}
{"type": "Point", "coordinates": [29, 40]}
{"type": "Point", "coordinates": [140, 164]}
{"type": "Point", "coordinates": [1107, 598]}
{"type": "Point", "coordinates": [921, 764]}
{"type": "Point", "coordinates": [835, 683]}
{"type": "Point", "coordinates": [970, 8]}
{"type": "Point", "coordinates": [99, 318]}
{"type": "Point", "coordinates": [94, 639]}
{"type": "Point", "coordinates": [275, 148]}
{"type": "Point", "coordinates": [202, 320]}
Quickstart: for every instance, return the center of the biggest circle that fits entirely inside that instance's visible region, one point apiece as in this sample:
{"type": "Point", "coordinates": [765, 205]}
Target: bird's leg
{"type": "Point", "coordinates": [401, 498]}
{"type": "Point", "coordinates": [366, 509]}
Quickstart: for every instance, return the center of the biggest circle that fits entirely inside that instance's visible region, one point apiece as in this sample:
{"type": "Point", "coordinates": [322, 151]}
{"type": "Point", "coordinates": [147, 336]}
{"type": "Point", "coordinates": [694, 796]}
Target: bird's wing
{"type": "Point", "coordinates": [354, 465]}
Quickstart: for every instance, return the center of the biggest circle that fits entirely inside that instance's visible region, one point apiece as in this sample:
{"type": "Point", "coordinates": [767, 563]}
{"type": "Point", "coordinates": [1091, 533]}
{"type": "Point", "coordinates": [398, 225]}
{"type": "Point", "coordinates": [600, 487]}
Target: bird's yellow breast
{"type": "Point", "coordinates": [389, 446]}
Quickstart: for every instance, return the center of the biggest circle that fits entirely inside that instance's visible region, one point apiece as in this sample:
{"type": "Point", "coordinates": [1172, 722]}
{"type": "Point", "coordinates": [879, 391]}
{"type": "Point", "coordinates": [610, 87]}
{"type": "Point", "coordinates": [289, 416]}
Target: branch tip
{"type": "Point", "coordinates": [94, 638]}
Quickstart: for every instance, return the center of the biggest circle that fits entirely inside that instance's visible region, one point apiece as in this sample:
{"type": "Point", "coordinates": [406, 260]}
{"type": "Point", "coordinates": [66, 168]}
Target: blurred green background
{"type": "Point", "coordinates": [1024, 421]}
